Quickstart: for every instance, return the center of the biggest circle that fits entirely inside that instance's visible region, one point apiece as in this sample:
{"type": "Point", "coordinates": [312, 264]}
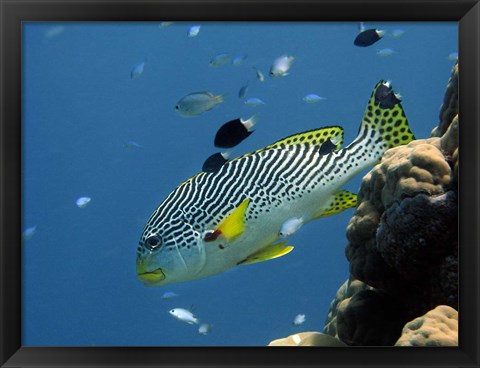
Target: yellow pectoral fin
{"type": "Point", "coordinates": [234, 224]}
{"type": "Point", "coordinates": [341, 201]}
{"type": "Point", "coordinates": [270, 252]}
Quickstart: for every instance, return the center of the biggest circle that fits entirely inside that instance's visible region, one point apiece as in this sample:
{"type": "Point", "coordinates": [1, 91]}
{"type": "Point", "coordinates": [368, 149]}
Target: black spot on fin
{"type": "Point", "coordinates": [230, 134]}
{"type": "Point", "coordinates": [385, 96]}
{"type": "Point", "coordinates": [367, 38]}
{"type": "Point", "coordinates": [214, 162]}
{"type": "Point", "coordinates": [327, 147]}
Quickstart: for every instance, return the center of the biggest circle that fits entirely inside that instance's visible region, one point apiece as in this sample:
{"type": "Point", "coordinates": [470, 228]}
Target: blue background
{"type": "Point", "coordinates": [80, 107]}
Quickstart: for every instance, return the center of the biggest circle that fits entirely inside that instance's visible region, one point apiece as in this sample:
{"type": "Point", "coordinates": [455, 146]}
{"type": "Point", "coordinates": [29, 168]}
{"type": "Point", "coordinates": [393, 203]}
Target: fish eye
{"type": "Point", "coordinates": [177, 107]}
{"type": "Point", "coordinates": [153, 242]}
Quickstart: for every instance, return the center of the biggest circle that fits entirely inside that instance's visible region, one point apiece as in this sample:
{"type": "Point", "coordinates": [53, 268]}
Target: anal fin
{"type": "Point", "coordinates": [342, 200]}
{"type": "Point", "coordinates": [270, 252]}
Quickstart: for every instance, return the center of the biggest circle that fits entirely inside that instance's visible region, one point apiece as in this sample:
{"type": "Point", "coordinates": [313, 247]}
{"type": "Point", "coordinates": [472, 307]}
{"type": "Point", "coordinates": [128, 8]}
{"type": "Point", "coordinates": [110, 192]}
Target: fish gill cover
{"type": "Point", "coordinates": [100, 124]}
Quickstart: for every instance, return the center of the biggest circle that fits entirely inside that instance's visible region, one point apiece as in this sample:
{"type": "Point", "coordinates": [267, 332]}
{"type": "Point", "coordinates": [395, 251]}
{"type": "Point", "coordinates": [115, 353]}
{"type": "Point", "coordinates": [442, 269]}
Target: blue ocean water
{"type": "Point", "coordinates": [80, 108]}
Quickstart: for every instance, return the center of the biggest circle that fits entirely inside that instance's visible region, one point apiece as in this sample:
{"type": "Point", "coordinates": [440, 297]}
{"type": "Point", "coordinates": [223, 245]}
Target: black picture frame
{"type": "Point", "coordinates": [14, 12]}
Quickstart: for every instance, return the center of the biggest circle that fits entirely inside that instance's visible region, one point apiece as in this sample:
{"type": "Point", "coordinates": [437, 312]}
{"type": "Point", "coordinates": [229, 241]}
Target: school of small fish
{"type": "Point", "coordinates": [233, 132]}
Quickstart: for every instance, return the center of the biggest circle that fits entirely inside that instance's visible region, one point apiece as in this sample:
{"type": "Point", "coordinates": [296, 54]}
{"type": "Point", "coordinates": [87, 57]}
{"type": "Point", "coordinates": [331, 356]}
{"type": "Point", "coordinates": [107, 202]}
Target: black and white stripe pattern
{"type": "Point", "coordinates": [269, 178]}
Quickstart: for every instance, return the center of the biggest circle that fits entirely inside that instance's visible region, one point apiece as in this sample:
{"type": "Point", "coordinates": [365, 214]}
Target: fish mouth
{"type": "Point", "coordinates": [151, 278]}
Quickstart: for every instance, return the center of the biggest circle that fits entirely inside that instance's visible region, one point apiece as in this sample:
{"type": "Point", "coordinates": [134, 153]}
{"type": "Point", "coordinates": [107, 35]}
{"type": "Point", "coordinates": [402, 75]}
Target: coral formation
{"type": "Point", "coordinates": [402, 245]}
{"type": "Point", "coordinates": [439, 327]}
{"type": "Point", "coordinates": [344, 293]}
{"type": "Point", "coordinates": [403, 236]}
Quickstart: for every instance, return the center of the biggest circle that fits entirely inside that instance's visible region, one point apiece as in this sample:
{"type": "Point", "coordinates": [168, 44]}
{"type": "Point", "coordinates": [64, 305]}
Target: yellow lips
{"type": "Point", "coordinates": [152, 277]}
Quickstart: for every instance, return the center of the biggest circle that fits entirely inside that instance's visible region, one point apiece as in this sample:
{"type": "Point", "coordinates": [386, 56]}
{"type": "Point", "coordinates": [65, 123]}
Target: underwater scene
{"type": "Point", "coordinates": [240, 184]}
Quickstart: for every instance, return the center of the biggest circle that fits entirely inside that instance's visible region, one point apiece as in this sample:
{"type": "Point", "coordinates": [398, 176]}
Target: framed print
{"type": "Point", "coordinates": [239, 183]}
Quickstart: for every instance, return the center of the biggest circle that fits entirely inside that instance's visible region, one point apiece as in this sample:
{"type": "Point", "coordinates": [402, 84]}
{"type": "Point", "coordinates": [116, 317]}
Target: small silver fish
{"type": "Point", "coordinates": [239, 59]}
{"type": "Point", "coordinates": [254, 101]}
{"type": "Point", "coordinates": [243, 91]}
{"type": "Point", "coordinates": [205, 329]}
{"type": "Point", "coordinates": [453, 56]}
{"type": "Point", "coordinates": [82, 201]}
{"type": "Point", "coordinates": [197, 103]}
{"type": "Point", "coordinates": [194, 31]}
{"type": "Point", "coordinates": [260, 75]}
{"type": "Point", "coordinates": [29, 232]}
{"type": "Point", "coordinates": [132, 145]}
{"type": "Point", "coordinates": [137, 70]}
{"type": "Point", "coordinates": [54, 31]}
{"type": "Point", "coordinates": [397, 33]}
{"type": "Point", "coordinates": [169, 295]}
{"type": "Point", "coordinates": [184, 315]}
{"type": "Point", "coordinates": [313, 98]}
{"type": "Point", "coordinates": [281, 66]}
{"type": "Point", "coordinates": [290, 227]}
{"type": "Point", "coordinates": [165, 24]}
{"type": "Point", "coordinates": [299, 319]}
{"type": "Point", "coordinates": [219, 60]}
{"type": "Point", "coordinates": [386, 52]}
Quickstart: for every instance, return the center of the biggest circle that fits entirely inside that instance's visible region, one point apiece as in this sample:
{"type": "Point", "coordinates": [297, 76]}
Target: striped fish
{"type": "Point", "coordinates": [235, 215]}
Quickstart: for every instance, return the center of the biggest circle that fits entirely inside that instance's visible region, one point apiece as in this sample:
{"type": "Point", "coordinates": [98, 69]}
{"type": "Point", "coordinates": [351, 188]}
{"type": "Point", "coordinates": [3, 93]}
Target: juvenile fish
{"type": "Point", "coordinates": [214, 162]}
{"type": "Point", "coordinates": [313, 98]}
{"type": "Point", "coordinates": [453, 56]}
{"type": "Point", "coordinates": [281, 66]}
{"type": "Point", "coordinates": [243, 91]}
{"type": "Point", "coordinates": [193, 31]}
{"type": "Point", "coordinates": [239, 59]}
{"type": "Point", "coordinates": [183, 315]}
{"type": "Point", "coordinates": [233, 132]}
{"type": "Point", "coordinates": [137, 70]}
{"type": "Point", "coordinates": [28, 233]}
{"type": "Point", "coordinates": [368, 37]}
{"type": "Point", "coordinates": [169, 295]}
{"type": "Point", "coordinates": [165, 24]}
{"type": "Point", "coordinates": [132, 145]}
{"type": "Point", "coordinates": [219, 60]}
{"type": "Point", "coordinates": [290, 227]}
{"type": "Point", "coordinates": [386, 52]}
{"type": "Point", "coordinates": [259, 74]}
{"type": "Point", "coordinates": [397, 33]}
{"type": "Point", "coordinates": [299, 319]}
{"type": "Point", "coordinates": [254, 101]}
{"type": "Point", "coordinates": [197, 103]}
{"type": "Point", "coordinates": [54, 31]}
{"type": "Point", "coordinates": [205, 329]}
{"type": "Point", "coordinates": [83, 201]}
